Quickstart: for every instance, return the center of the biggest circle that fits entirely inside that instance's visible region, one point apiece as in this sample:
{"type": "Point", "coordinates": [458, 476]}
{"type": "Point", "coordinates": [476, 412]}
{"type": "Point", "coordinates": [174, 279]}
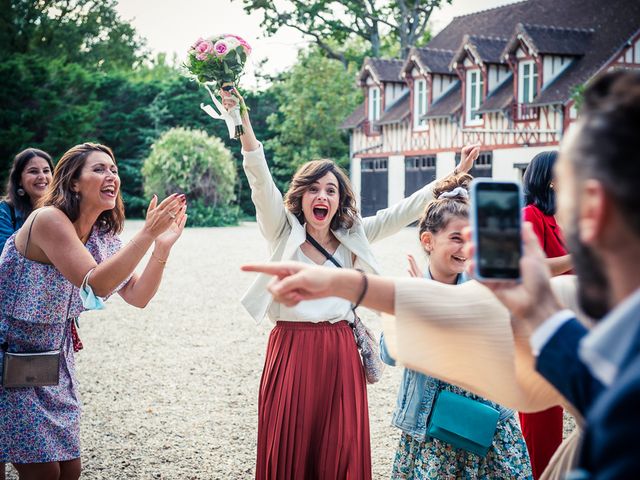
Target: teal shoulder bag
{"type": "Point", "coordinates": [463, 422]}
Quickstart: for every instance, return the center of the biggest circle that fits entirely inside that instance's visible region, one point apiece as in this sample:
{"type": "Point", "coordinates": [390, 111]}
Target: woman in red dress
{"type": "Point", "coordinates": [543, 430]}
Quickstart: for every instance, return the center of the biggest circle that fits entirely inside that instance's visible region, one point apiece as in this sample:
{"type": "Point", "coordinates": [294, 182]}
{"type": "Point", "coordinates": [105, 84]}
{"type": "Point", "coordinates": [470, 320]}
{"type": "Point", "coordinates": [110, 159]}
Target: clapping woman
{"type": "Point", "coordinates": [72, 241]}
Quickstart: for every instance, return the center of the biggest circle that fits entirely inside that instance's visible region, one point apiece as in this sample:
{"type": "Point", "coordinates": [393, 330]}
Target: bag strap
{"type": "Point", "coordinates": [22, 260]}
{"type": "Point", "coordinates": [322, 250]}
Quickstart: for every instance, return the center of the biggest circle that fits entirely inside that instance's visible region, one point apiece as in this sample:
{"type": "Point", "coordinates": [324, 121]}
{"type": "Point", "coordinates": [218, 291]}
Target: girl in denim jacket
{"type": "Point", "coordinates": [420, 456]}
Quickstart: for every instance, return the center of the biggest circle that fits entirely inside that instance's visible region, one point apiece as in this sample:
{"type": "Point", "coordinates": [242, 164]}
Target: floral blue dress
{"type": "Point", "coordinates": [434, 459]}
{"type": "Point", "coordinates": [37, 306]}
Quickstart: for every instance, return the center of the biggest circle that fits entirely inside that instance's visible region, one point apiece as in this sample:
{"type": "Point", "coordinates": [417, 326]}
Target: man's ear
{"type": "Point", "coordinates": [594, 206]}
{"type": "Point", "coordinates": [426, 239]}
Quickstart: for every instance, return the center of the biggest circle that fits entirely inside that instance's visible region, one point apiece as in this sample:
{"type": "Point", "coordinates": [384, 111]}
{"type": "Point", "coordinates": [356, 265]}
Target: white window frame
{"type": "Point", "coordinates": [374, 103]}
{"type": "Point", "coordinates": [419, 104]}
{"type": "Point", "coordinates": [474, 91]}
{"type": "Point", "coordinates": [530, 82]}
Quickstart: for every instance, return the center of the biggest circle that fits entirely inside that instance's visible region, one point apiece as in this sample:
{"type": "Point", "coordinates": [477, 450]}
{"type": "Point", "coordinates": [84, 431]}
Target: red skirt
{"type": "Point", "coordinates": [313, 419]}
{"type": "Point", "coordinates": [543, 433]}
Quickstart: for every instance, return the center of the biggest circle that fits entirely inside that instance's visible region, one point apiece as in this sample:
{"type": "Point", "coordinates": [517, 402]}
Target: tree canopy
{"type": "Point", "coordinates": [330, 24]}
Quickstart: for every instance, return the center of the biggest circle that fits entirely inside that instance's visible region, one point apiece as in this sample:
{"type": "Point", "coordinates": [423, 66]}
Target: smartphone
{"type": "Point", "coordinates": [496, 222]}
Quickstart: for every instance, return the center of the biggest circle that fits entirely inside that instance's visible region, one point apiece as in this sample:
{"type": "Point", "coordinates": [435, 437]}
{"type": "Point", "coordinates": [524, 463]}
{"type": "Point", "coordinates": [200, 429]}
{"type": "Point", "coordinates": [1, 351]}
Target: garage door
{"type": "Point", "coordinates": [374, 181]}
{"type": "Point", "coordinates": [482, 167]}
{"type": "Point", "coordinates": [418, 171]}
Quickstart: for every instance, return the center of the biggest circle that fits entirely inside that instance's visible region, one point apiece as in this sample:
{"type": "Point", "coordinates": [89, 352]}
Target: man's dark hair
{"type": "Point", "coordinates": [608, 148]}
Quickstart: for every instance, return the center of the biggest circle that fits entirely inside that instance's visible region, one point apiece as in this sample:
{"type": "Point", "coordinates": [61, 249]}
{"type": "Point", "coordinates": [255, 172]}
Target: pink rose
{"type": "Point", "coordinates": [197, 42]}
{"type": "Point", "coordinates": [220, 48]}
{"type": "Point", "coordinates": [243, 42]}
{"type": "Point", "coordinates": [203, 50]}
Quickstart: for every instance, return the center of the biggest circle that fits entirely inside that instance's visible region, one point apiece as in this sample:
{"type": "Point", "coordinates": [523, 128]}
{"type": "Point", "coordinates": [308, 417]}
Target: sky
{"type": "Point", "coordinates": [171, 26]}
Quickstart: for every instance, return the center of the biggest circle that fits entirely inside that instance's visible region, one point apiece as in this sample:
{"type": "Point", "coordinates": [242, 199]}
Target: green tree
{"type": "Point", "coordinates": [313, 99]}
{"type": "Point", "coordinates": [126, 124]}
{"type": "Point", "coordinates": [330, 23]}
{"type": "Point", "coordinates": [88, 32]}
{"type": "Point", "coordinates": [192, 162]}
{"type": "Point", "coordinates": [46, 103]}
{"type": "Point", "coordinates": [178, 105]}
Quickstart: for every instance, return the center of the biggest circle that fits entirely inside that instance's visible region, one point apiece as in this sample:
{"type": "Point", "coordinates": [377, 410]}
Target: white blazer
{"type": "Point", "coordinates": [284, 233]}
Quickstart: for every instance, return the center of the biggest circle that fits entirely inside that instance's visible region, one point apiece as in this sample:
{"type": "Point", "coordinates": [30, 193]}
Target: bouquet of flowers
{"type": "Point", "coordinates": [218, 61]}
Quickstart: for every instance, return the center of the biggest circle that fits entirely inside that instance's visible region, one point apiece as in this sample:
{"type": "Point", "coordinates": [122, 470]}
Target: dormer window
{"type": "Point", "coordinates": [419, 104]}
{"type": "Point", "coordinates": [374, 103]}
{"type": "Point", "coordinates": [475, 88]}
{"type": "Point", "coordinates": [528, 81]}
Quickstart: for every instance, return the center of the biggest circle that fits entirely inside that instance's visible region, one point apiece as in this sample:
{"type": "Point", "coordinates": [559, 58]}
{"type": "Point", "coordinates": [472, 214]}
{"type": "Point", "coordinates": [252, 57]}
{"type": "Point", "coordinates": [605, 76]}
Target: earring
{"type": "Point", "coordinates": [21, 191]}
{"type": "Point", "coordinates": [76, 195]}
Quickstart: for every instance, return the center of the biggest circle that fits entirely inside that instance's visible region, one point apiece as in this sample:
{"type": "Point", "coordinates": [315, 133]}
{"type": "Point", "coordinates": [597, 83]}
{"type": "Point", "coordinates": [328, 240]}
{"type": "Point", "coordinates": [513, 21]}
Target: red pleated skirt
{"type": "Point", "coordinates": [313, 418]}
{"type": "Point", "coordinates": [542, 431]}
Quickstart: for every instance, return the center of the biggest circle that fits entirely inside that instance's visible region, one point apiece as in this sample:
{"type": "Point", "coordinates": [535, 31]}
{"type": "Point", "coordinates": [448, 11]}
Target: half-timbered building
{"type": "Point", "coordinates": [507, 78]}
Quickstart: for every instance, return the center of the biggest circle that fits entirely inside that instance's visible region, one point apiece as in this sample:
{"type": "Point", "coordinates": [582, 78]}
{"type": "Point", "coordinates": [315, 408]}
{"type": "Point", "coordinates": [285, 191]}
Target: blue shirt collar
{"type": "Point", "coordinates": [610, 343]}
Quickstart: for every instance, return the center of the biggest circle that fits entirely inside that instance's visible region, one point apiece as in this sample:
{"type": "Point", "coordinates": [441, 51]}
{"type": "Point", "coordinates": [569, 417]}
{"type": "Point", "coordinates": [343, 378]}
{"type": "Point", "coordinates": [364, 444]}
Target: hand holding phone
{"type": "Point", "coordinates": [496, 223]}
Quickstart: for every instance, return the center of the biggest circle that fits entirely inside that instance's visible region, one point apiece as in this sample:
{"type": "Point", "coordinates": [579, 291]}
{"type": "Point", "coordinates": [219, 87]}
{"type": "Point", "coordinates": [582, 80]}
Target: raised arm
{"type": "Point", "coordinates": [139, 290]}
{"type": "Point", "coordinates": [270, 211]}
{"type": "Point", "coordinates": [391, 220]}
{"type": "Point", "coordinates": [54, 240]}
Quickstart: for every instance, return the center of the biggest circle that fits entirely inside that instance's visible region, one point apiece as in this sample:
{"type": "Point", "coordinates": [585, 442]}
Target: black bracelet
{"type": "Point", "coordinates": [365, 287]}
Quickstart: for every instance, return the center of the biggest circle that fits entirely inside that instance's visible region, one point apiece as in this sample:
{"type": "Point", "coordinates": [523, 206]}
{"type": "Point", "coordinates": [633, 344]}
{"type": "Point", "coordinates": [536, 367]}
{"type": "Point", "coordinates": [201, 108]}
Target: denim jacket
{"type": "Point", "coordinates": [418, 392]}
{"type": "Point", "coordinates": [7, 226]}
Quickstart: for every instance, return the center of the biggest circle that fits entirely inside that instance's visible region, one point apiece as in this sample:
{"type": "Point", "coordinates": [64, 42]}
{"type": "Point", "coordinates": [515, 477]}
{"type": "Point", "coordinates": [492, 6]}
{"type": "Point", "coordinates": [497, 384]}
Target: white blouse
{"type": "Point", "coordinates": [330, 309]}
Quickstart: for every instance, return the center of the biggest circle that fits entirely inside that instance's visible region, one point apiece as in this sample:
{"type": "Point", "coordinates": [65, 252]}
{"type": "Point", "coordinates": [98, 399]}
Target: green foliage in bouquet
{"type": "Point", "coordinates": [219, 70]}
{"type": "Point", "coordinates": [200, 166]}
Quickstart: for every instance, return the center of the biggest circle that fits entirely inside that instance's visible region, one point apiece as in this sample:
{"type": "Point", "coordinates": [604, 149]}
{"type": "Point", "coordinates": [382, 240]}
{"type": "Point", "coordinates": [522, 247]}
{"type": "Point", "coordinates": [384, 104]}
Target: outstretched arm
{"type": "Point", "coordinates": [296, 281]}
{"type": "Point", "coordinates": [54, 240]}
{"type": "Point", "coordinates": [139, 290]}
{"type": "Point", "coordinates": [390, 220]}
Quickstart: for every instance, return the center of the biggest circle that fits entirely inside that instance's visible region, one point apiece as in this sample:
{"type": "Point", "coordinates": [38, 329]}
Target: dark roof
{"type": "Point", "coordinates": [355, 119]}
{"type": "Point", "coordinates": [487, 49]}
{"type": "Point", "coordinates": [397, 112]}
{"type": "Point", "coordinates": [433, 60]}
{"type": "Point", "coordinates": [592, 31]}
{"type": "Point", "coordinates": [551, 40]}
{"type": "Point", "coordinates": [500, 99]}
{"type": "Point", "coordinates": [613, 22]}
{"type": "Point", "coordinates": [384, 70]}
{"type": "Point", "coordinates": [446, 105]}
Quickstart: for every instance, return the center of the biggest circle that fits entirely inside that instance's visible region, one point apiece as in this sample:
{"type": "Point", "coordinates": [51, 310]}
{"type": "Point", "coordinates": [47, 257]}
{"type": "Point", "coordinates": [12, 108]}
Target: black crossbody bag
{"type": "Point", "coordinates": [364, 337]}
{"type": "Point", "coordinates": [32, 369]}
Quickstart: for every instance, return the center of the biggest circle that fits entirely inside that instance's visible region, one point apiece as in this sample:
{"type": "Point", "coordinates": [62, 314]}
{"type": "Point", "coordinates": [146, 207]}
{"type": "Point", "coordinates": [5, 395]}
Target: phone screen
{"type": "Point", "coordinates": [498, 239]}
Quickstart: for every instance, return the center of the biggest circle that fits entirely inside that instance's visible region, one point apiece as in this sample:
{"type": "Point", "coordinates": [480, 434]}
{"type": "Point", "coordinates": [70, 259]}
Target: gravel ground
{"type": "Point", "coordinates": [170, 392]}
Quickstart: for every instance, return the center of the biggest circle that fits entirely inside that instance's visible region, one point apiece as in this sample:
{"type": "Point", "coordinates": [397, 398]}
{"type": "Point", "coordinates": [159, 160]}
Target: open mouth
{"type": "Point", "coordinates": [109, 191]}
{"type": "Point", "coordinates": [320, 212]}
{"type": "Point", "coordinates": [458, 258]}
{"type": "Point", "coordinates": [41, 185]}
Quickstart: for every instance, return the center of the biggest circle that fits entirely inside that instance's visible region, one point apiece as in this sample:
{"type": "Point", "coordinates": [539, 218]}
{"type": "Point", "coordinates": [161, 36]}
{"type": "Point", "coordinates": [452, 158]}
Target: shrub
{"type": "Point", "coordinates": [201, 167]}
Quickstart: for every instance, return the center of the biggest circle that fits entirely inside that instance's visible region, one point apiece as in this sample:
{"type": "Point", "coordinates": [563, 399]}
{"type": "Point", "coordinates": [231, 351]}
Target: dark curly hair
{"type": "Point", "coordinates": [307, 175]}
